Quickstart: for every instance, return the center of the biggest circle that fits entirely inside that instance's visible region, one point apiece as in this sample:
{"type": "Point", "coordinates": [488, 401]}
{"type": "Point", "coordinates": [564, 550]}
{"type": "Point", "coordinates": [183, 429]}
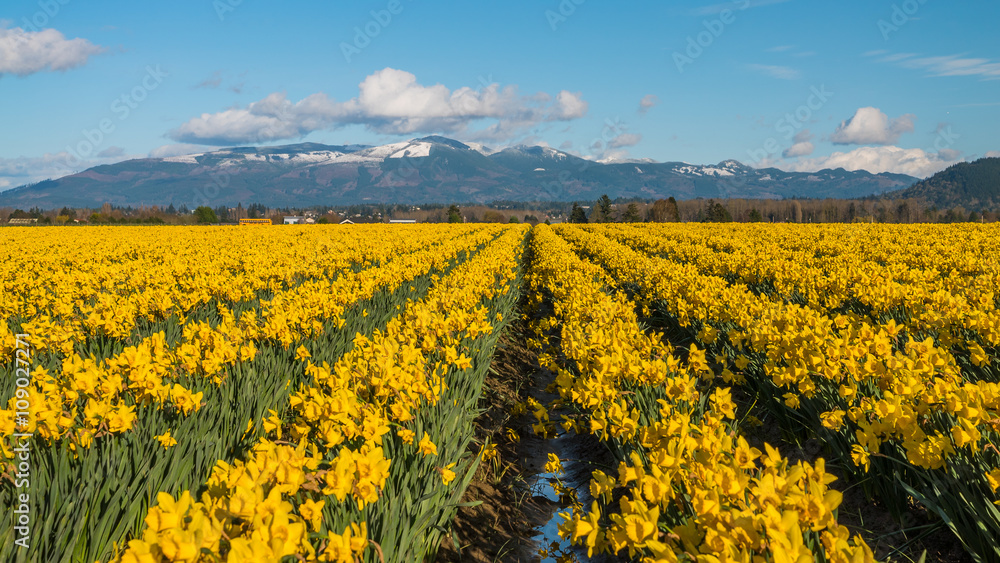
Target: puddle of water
{"type": "Point", "coordinates": [573, 476]}
{"type": "Point", "coordinates": [578, 455]}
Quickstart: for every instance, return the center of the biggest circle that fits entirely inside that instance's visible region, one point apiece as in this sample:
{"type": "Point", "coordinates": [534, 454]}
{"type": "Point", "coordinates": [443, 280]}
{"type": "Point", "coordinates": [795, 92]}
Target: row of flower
{"type": "Point", "coordinates": [875, 270]}
{"type": "Point", "coordinates": [65, 287]}
{"type": "Point", "coordinates": [900, 412]}
{"type": "Point", "coordinates": [159, 414]}
{"type": "Point", "coordinates": [371, 455]}
{"type": "Point", "coordinates": [87, 397]}
{"type": "Point", "coordinates": [688, 487]}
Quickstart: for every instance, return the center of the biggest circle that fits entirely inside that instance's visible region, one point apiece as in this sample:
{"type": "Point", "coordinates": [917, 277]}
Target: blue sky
{"type": "Point", "coordinates": [907, 87]}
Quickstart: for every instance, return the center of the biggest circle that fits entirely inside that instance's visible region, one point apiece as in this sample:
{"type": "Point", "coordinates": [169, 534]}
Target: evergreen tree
{"type": "Point", "coordinates": [205, 214]}
{"type": "Point", "coordinates": [604, 204]}
{"type": "Point", "coordinates": [715, 212]}
{"type": "Point", "coordinates": [632, 213]}
{"type": "Point", "coordinates": [577, 215]}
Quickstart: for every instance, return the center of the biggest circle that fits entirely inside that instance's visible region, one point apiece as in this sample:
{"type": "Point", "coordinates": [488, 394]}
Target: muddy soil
{"type": "Point", "coordinates": [501, 526]}
{"type": "Point", "coordinates": [519, 504]}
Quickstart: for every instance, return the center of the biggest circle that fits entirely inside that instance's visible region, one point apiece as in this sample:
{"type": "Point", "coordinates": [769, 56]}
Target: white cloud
{"type": "Point", "coordinates": [993, 154]}
{"type": "Point", "coordinates": [776, 71]}
{"type": "Point", "coordinates": [799, 149]}
{"type": "Point", "coordinates": [780, 48]}
{"type": "Point", "coordinates": [111, 152]}
{"type": "Point", "coordinates": [625, 140]}
{"type": "Point", "coordinates": [390, 102]}
{"type": "Point", "coordinates": [18, 171]}
{"type": "Point", "coordinates": [947, 65]}
{"type": "Point", "coordinates": [569, 106]}
{"type": "Point", "coordinates": [647, 103]}
{"type": "Point", "coordinates": [181, 149]}
{"type": "Point", "coordinates": [735, 5]}
{"type": "Point", "coordinates": [27, 52]}
{"type": "Point", "coordinates": [26, 170]}
{"type": "Point", "coordinates": [870, 126]}
{"type": "Point", "coordinates": [914, 162]}
{"type": "Point", "coordinates": [802, 146]}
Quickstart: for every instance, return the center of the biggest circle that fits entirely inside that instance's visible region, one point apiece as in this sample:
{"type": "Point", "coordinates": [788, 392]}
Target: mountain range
{"type": "Point", "coordinates": [426, 170]}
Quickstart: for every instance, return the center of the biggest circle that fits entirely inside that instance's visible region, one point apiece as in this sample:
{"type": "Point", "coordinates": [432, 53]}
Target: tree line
{"type": "Point", "coordinates": [604, 210]}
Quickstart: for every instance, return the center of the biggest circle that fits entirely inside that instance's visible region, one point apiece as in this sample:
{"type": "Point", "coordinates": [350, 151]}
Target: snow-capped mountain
{"type": "Point", "coordinates": [430, 169]}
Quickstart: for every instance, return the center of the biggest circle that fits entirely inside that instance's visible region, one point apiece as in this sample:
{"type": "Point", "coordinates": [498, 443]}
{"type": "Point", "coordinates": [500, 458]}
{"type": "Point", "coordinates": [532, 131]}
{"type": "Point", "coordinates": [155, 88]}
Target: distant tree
{"type": "Point", "coordinates": [256, 211]}
{"type": "Point", "coordinates": [531, 219]}
{"type": "Point", "coordinates": [715, 212]}
{"type": "Point", "coordinates": [577, 215]}
{"type": "Point", "coordinates": [322, 220]}
{"type": "Point", "coordinates": [755, 216]}
{"type": "Point", "coordinates": [903, 213]}
{"type": "Point", "coordinates": [491, 216]}
{"type": "Point", "coordinates": [67, 212]}
{"type": "Point", "coordinates": [974, 217]}
{"type": "Point", "coordinates": [19, 214]}
{"type": "Point", "coordinates": [596, 216]}
{"type": "Point", "coordinates": [631, 213]}
{"type": "Point", "coordinates": [547, 222]}
{"type": "Point", "coordinates": [171, 210]}
{"type": "Point", "coordinates": [604, 204]}
{"type": "Point", "coordinates": [222, 212]}
{"type": "Point", "coordinates": [513, 219]}
{"type": "Point", "coordinates": [183, 210]}
{"type": "Point", "coordinates": [454, 214]}
{"type": "Point", "coordinates": [664, 211]}
{"type": "Point", "coordinates": [205, 214]}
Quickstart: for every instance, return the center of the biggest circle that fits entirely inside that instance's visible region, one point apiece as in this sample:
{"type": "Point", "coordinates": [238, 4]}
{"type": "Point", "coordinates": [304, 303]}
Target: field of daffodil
{"type": "Point", "coordinates": [247, 394]}
{"type": "Point", "coordinates": [879, 341]}
{"type": "Point", "coordinates": [309, 393]}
